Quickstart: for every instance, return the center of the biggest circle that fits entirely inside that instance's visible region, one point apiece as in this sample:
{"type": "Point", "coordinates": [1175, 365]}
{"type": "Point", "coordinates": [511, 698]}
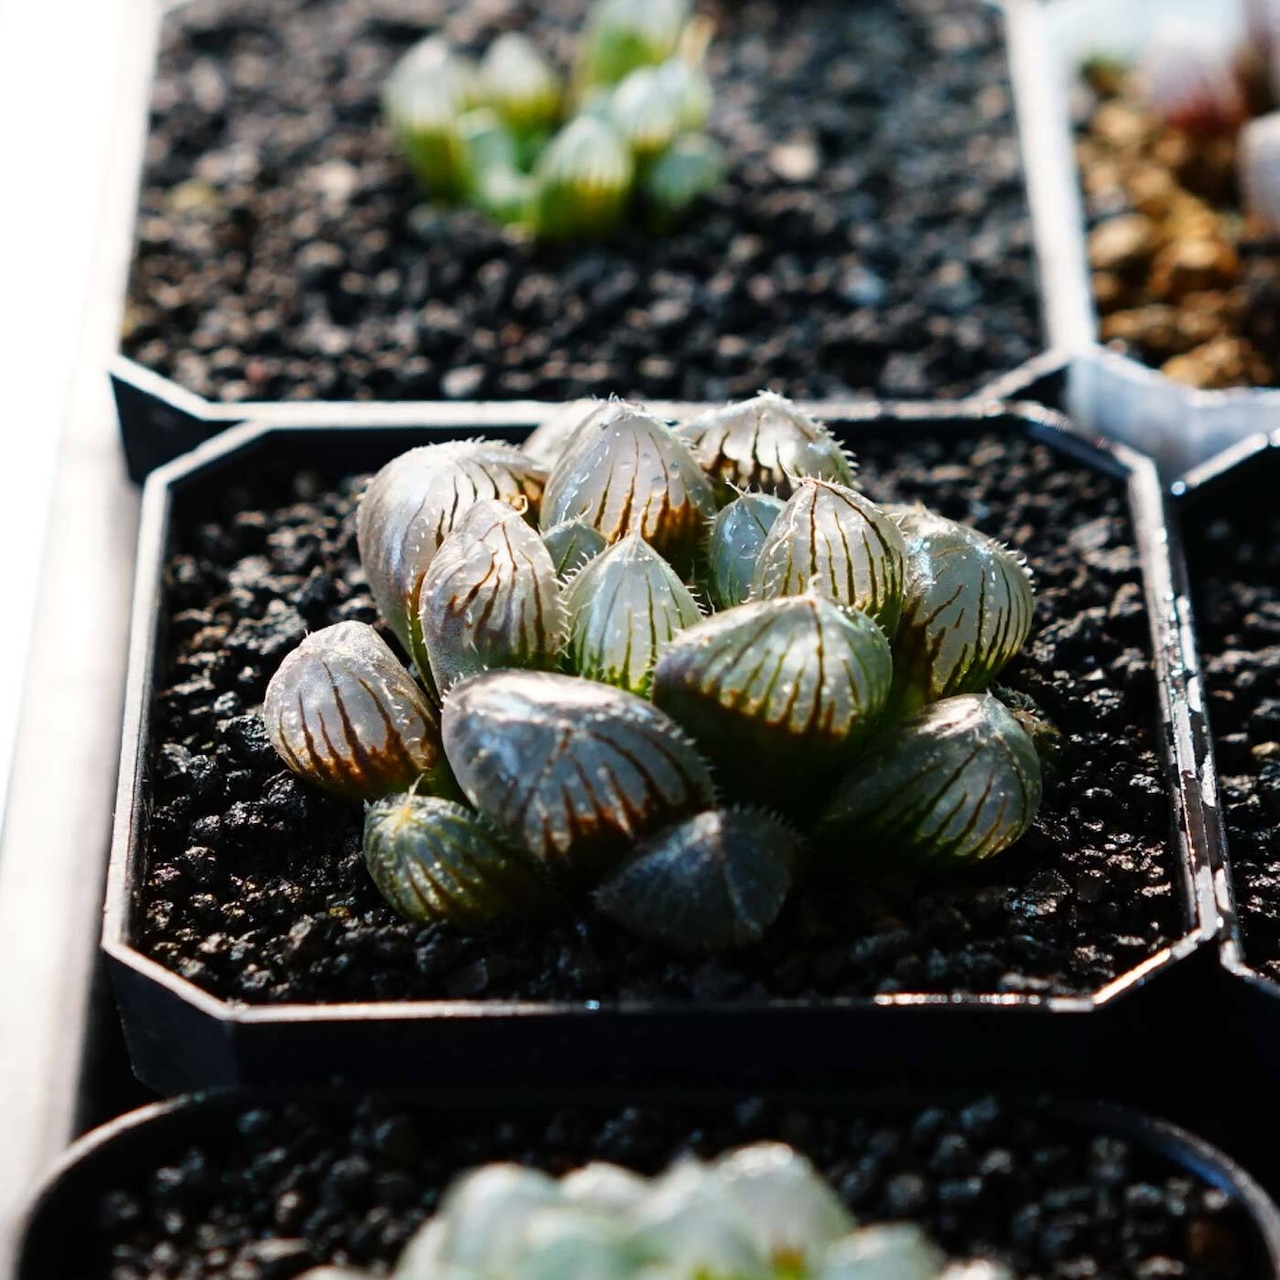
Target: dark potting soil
{"type": "Point", "coordinates": [283, 1188]}
{"type": "Point", "coordinates": [1234, 551]}
{"type": "Point", "coordinates": [256, 889]}
{"type": "Point", "coordinates": [873, 233]}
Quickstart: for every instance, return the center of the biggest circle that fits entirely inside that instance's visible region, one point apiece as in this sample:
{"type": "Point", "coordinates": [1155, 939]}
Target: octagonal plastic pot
{"type": "Point", "coordinates": [140, 1176]}
{"type": "Point", "coordinates": [1226, 516]}
{"type": "Point", "coordinates": [1112, 394]}
{"type": "Point", "coordinates": [159, 419]}
{"type": "Point", "coordinates": [181, 1035]}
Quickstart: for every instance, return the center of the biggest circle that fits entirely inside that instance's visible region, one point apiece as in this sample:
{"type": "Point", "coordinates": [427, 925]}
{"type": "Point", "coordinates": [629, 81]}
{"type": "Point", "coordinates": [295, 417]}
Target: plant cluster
{"type": "Point", "coordinates": [565, 158]}
{"type": "Point", "coordinates": [583, 724]}
{"type": "Point", "coordinates": [758, 1213]}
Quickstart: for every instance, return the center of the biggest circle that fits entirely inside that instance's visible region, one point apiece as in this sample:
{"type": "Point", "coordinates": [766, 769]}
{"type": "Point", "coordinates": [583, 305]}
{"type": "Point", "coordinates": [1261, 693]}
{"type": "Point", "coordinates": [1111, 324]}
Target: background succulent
{"type": "Point", "coordinates": [512, 138]}
{"type": "Point", "coordinates": [823, 687]}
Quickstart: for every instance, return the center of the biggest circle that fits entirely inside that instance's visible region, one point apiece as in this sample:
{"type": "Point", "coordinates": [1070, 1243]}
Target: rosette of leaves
{"type": "Point", "coordinates": [581, 731]}
{"type": "Point", "coordinates": [509, 137]}
{"type": "Point", "coordinates": [760, 1212]}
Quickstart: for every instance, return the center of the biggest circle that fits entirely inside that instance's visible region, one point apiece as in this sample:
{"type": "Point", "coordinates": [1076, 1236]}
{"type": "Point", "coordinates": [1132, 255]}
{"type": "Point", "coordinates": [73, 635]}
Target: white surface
{"type": "Point", "coordinates": [71, 110]}
{"type": "Point", "coordinates": [1107, 393]}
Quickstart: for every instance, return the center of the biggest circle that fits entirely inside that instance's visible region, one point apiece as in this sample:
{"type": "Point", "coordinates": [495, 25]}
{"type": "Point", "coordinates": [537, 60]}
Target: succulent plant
{"type": "Point", "coordinates": [831, 541]}
{"type": "Point", "coordinates": [795, 692]}
{"type": "Point", "coordinates": [623, 608]}
{"type": "Point", "coordinates": [760, 1212]}
{"type": "Point", "coordinates": [765, 685]}
{"type": "Point", "coordinates": [435, 860]}
{"type": "Point", "coordinates": [573, 544]}
{"type": "Point", "coordinates": [490, 598]}
{"type": "Point", "coordinates": [689, 169]}
{"type": "Point", "coordinates": [342, 713]}
{"type": "Point", "coordinates": [958, 781]}
{"type": "Point", "coordinates": [714, 881]}
{"type": "Point", "coordinates": [496, 184]}
{"type": "Point", "coordinates": [627, 472]}
{"type": "Point", "coordinates": [967, 607]}
{"type": "Point", "coordinates": [1189, 78]}
{"type": "Point", "coordinates": [733, 546]}
{"type": "Point", "coordinates": [546, 444]}
{"type": "Point", "coordinates": [582, 181]}
{"type": "Point", "coordinates": [519, 84]}
{"type": "Point", "coordinates": [1259, 164]}
{"type": "Point", "coordinates": [646, 108]}
{"type": "Point", "coordinates": [572, 771]}
{"type": "Point", "coordinates": [504, 136]}
{"type": "Point", "coordinates": [686, 79]}
{"type": "Point", "coordinates": [765, 443]}
{"type": "Point", "coordinates": [622, 35]}
{"type": "Point", "coordinates": [425, 95]}
{"type": "Point", "coordinates": [411, 505]}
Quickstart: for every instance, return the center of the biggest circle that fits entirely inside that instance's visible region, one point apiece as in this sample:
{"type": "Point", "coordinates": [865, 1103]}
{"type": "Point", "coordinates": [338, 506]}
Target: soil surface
{"type": "Point", "coordinates": [1173, 281]}
{"type": "Point", "coordinates": [872, 235]}
{"type": "Point", "coordinates": [1234, 549]}
{"type": "Point", "coordinates": [256, 889]}
{"type": "Point", "coordinates": [284, 1188]}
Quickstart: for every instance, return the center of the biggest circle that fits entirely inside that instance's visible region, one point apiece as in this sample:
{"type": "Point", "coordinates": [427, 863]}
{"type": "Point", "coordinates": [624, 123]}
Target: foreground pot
{"type": "Point", "coordinates": [180, 1035]}
{"type": "Point", "coordinates": [1180, 427]}
{"type": "Point", "coordinates": [146, 1176]}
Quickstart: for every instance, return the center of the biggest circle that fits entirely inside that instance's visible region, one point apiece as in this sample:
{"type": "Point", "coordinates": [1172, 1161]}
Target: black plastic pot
{"type": "Point", "coordinates": [1235, 495]}
{"type": "Point", "coordinates": [160, 420]}
{"type": "Point", "coordinates": [180, 1036]}
{"type": "Point", "coordinates": [147, 1152]}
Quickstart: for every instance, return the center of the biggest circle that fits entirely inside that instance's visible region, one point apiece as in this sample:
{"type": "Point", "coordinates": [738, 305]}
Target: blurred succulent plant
{"type": "Point", "coordinates": [837, 618]}
{"type": "Point", "coordinates": [508, 138]}
{"type": "Point", "coordinates": [519, 84]}
{"type": "Point", "coordinates": [1259, 163]}
{"type": "Point", "coordinates": [583, 179]}
{"type": "Point", "coordinates": [423, 101]}
{"type": "Point", "coordinates": [760, 1212]}
{"type": "Point", "coordinates": [623, 35]}
{"type": "Point", "coordinates": [1190, 77]}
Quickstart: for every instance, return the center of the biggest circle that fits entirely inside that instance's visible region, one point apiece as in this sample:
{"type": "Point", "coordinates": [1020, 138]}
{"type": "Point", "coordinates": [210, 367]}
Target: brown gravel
{"type": "Point", "coordinates": [1169, 282]}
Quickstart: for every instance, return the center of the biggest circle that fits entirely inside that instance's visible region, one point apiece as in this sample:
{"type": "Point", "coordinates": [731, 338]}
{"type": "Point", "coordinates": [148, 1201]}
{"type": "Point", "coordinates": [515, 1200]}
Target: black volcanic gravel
{"type": "Point", "coordinates": [285, 1187]}
{"type": "Point", "coordinates": [256, 889]}
{"type": "Point", "coordinates": [873, 234]}
{"type": "Point", "coordinates": [1234, 549]}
